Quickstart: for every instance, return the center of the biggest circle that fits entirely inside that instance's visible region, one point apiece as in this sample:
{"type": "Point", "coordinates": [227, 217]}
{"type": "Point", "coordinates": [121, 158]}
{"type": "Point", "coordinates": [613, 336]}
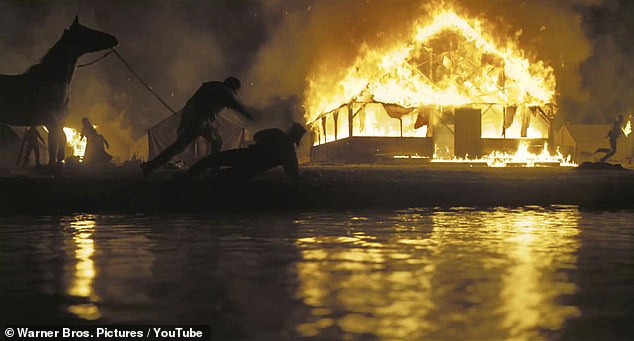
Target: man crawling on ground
{"type": "Point", "coordinates": [272, 148]}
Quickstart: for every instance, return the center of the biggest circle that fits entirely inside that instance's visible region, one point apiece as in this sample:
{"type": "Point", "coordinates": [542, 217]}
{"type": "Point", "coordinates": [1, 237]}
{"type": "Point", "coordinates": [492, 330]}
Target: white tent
{"type": "Point", "coordinates": [582, 141]}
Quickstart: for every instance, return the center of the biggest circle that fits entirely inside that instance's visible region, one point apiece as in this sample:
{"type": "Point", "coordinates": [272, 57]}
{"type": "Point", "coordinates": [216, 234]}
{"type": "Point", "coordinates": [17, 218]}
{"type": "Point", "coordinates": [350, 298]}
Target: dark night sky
{"type": "Point", "coordinates": [273, 45]}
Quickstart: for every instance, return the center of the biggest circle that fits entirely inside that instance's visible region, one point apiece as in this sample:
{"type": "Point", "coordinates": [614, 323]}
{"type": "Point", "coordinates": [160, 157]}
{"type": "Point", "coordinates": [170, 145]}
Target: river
{"type": "Point", "coordinates": [463, 273]}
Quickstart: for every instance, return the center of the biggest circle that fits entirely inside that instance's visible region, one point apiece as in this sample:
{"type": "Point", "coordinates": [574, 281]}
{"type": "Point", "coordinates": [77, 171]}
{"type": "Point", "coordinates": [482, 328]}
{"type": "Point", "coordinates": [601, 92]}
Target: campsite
{"type": "Point", "coordinates": [317, 170]}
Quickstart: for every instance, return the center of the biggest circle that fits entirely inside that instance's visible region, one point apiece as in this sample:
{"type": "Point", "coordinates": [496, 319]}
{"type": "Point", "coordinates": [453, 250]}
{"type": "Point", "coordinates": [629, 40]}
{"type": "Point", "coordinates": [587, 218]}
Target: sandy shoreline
{"type": "Point", "coordinates": [123, 190]}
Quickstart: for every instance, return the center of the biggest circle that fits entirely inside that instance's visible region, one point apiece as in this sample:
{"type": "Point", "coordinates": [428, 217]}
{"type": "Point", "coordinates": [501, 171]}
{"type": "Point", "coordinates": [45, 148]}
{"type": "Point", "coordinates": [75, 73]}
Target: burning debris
{"type": "Point", "coordinates": [75, 141]}
{"type": "Point", "coordinates": [415, 88]}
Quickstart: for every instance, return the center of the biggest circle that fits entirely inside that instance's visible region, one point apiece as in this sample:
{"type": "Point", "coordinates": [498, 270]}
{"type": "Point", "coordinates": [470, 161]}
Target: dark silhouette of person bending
{"type": "Point", "coordinates": [613, 135]}
{"type": "Point", "coordinates": [96, 145]}
{"type": "Point", "coordinates": [31, 140]}
{"type": "Point", "coordinates": [196, 116]}
{"type": "Point", "coordinates": [272, 148]}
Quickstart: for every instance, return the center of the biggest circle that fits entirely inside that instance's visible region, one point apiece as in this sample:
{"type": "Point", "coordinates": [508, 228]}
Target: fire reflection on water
{"type": "Point", "coordinates": [83, 276]}
{"type": "Point", "coordinates": [430, 274]}
{"type": "Point", "coordinates": [541, 242]}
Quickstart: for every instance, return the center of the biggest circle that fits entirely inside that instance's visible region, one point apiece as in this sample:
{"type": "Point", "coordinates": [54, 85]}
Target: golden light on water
{"type": "Point", "coordinates": [425, 274]}
{"type": "Point", "coordinates": [84, 273]}
{"type": "Point", "coordinates": [357, 281]}
{"type": "Point", "coordinates": [529, 293]}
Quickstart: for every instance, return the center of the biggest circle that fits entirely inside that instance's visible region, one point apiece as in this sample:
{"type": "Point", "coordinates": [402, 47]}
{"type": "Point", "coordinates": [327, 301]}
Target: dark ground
{"type": "Point", "coordinates": [123, 190]}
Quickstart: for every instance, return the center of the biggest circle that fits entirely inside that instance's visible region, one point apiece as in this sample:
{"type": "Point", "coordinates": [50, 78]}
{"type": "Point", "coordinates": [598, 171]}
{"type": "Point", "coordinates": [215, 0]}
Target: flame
{"type": "Point", "coordinates": [394, 76]}
{"type": "Point", "coordinates": [627, 130]}
{"type": "Point", "coordinates": [522, 157]}
{"type": "Point", "coordinates": [73, 138]}
{"type": "Point", "coordinates": [446, 62]}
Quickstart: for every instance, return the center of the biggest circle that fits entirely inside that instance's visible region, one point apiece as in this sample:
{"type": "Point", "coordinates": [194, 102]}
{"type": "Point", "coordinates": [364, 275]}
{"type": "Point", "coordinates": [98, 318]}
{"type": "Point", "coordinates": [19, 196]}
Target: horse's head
{"type": "Point", "coordinates": [85, 39]}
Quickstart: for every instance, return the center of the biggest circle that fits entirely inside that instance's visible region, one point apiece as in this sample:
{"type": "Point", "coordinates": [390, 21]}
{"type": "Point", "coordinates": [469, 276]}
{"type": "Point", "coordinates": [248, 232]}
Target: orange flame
{"type": "Point", "coordinates": [450, 61]}
{"type": "Point", "coordinates": [74, 140]}
{"type": "Point", "coordinates": [393, 76]}
{"type": "Point", "coordinates": [522, 158]}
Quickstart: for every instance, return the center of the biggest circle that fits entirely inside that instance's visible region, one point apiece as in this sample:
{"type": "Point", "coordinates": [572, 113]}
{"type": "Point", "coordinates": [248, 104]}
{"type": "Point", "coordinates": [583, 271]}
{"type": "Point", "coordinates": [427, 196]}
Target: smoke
{"type": "Point", "coordinates": [174, 46]}
{"type": "Point", "coordinates": [608, 75]}
{"type": "Point", "coordinates": [321, 37]}
{"type": "Point", "coordinates": [275, 46]}
{"type": "Point", "coordinates": [587, 44]}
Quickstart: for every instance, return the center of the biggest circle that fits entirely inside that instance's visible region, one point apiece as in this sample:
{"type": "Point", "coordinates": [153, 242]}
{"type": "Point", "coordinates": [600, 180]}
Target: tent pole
{"type": "Point", "coordinates": [196, 149]}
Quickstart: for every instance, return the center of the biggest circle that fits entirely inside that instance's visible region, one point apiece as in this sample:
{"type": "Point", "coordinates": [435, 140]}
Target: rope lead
{"type": "Point", "coordinates": [147, 86]}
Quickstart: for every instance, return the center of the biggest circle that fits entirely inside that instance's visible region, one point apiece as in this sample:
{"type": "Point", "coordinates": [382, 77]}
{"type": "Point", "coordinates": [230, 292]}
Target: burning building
{"type": "Point", "coordinates": [447, 91]}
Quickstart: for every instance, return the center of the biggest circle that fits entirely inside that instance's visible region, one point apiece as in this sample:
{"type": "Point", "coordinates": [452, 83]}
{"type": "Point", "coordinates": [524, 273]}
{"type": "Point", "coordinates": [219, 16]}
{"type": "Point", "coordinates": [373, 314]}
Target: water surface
{"type": "Point", "coordinates": [529, 273]}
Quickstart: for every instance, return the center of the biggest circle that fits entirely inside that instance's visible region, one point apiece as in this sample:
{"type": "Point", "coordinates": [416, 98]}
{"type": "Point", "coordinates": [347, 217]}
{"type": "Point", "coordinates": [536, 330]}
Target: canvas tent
{"type": "Point", "coordinates": [582, 141]}
{"type": "Point", "coordinates": [162, 134]}
{"type": "Point", "coordinates": [139, 149]}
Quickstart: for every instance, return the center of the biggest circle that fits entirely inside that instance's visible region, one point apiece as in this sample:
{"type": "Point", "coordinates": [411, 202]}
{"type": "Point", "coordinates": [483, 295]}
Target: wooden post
{"type": "Point", "coordinates": [504, 121]}
{"type": "Point", "coordinates": [431, 61]}
{"type": "Point", "coordinates": [350, 120]}
{"type": "Point", "coordinates": [551, 137]}
{"type": "Point", "coordinates": [335, 116]}
{"type": "Point", "coordinates": [323, 129]}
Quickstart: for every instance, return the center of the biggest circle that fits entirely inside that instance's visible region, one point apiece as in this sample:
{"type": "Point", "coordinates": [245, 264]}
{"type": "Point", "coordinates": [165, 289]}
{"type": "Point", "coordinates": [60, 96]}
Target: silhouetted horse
{"type": "Point", "coordinates": [40, 96]}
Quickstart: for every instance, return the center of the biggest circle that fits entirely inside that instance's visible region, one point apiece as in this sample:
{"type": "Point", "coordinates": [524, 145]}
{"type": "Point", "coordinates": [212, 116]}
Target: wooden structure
{"type": "Point", "coordinates": [343, 135]}
{"type": "Point", "coordinates": [467, 134]}
{"type": "Point", "coordinates": [371, 149]}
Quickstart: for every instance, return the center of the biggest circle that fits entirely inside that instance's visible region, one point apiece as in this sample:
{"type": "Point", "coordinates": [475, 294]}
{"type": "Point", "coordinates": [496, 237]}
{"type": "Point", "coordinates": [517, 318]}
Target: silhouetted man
{"type": "Point", "coordinates": [196, 117]}
{"type": "Point", "coordinates": [31, 140]}
{"type": "Point", "coordinates": [272, 148]}
{"type": "Point", "coordinates": [613, 135]}
{"type": "Point", "coordinates": [96, 144]}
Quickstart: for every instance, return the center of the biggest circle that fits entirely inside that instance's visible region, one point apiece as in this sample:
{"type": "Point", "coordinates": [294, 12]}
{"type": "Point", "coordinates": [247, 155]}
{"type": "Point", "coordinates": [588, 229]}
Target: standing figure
{"type": "Point", "coordinates": [272, 148]}
{"type": "Point", "coordinates": [613, 135]}
{"type": "Point", "coordinates": [96, 145]}
{"type": "Point", "coordinates": [196, 117]}
{"type": "Point", "coordinates": [31, 140]}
